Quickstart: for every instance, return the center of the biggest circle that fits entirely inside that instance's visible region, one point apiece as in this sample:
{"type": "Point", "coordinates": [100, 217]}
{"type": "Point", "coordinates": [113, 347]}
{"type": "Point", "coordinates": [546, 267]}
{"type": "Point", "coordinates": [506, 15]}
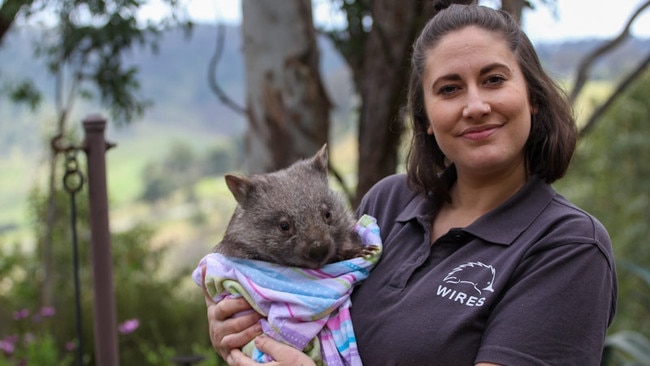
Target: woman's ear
{"type": "Point", "coordinates": [429, 130]}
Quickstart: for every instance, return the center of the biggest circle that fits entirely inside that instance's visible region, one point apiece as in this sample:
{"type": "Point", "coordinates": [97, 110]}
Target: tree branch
{"type": "Point", "coordinates": [588, 61]}
{"type": "Point", "coordinates": [212, 73]}
{"type": "Point", "coordinates": [344, 189]}
{"type": "Point", "coordinates": [619, 91]}
{"type": "Point", "coordinates": [8, 12]}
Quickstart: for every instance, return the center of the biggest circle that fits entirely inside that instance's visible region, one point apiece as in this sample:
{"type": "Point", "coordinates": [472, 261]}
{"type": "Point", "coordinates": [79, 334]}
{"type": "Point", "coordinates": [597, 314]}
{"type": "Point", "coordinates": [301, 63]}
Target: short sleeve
{"type": "Point", "coordinates": [556, 310]}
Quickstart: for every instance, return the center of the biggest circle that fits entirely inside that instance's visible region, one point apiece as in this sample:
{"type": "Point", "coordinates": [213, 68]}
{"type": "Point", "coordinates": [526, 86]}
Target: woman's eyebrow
{"type": "Point", "coordinates": [491, 67]}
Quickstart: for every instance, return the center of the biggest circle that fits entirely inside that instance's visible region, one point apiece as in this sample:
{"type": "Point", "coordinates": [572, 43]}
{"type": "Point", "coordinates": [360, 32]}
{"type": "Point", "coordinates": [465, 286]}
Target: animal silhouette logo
{"type": "Point", "coordinates": [477, 274]}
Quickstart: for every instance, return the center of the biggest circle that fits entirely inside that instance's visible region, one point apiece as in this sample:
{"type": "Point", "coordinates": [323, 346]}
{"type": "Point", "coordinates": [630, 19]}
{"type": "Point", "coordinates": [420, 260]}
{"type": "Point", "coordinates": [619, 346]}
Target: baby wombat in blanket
{"type": "Point", "coordinates": [290, 217]}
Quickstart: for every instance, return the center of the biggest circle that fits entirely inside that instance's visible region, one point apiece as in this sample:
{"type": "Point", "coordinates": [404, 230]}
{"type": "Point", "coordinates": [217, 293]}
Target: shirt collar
{"type": "Point", "coordinates": [503, 224]}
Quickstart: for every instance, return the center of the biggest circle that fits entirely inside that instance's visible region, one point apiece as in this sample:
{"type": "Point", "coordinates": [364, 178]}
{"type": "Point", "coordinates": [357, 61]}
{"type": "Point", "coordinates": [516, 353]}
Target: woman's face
{"type": "Point", "coordinates": [477, 103]}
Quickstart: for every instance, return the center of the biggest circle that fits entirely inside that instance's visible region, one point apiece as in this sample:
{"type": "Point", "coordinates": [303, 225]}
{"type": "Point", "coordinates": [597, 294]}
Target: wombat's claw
{"type": "Point", "coordinates": [368, 251]}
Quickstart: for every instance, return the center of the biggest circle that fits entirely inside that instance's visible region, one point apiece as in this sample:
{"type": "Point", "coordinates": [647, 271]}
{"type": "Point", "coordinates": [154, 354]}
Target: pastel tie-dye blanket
{"type": "Point", "coordinates": [306, 308]}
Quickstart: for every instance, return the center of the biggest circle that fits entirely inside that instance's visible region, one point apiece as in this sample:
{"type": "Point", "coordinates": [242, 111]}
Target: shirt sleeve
{"type": "Point", "coordinates": [556, 310]}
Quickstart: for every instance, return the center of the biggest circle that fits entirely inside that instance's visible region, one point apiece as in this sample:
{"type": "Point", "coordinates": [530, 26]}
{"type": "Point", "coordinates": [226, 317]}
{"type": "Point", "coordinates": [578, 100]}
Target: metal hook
{"type": "Point", "coordinates": [73, 180]}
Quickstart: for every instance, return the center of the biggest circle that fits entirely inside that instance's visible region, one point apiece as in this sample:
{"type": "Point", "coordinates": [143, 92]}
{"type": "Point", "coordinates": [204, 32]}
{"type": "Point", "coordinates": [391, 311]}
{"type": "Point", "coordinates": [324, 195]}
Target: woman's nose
{"type": "Point", "coordinates": [476, 106]}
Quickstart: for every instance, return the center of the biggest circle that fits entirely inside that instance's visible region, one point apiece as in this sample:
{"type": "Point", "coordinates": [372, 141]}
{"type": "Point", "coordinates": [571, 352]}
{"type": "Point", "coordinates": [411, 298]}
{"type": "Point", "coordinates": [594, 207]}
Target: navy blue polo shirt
{"type": "Point", "coordinates": [531, 282]}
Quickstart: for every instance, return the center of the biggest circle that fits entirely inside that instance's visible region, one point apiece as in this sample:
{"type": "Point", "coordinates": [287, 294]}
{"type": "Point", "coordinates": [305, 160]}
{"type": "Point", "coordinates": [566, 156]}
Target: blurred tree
{"type": "Point", "coordinates": [610, 179]}
{"type": "Point", "coordinates": [584, 68]}
{"type": "Point", "coordinates": [376, 46]}
{"type": "Point", "coordinates": [83, 51]}
{"type": "Point", "coordinates": [9, 10]}
{"type": "Point", "coordinates": [287, 107]}
{"type": "Point", "coordinates": [516, 7]}
{"type": "Point", "coordinates": [179, 169]}
{"type": "Point", "coordinates": [24, 90]}
{"type": "Point", "coordinates": [222, 157]}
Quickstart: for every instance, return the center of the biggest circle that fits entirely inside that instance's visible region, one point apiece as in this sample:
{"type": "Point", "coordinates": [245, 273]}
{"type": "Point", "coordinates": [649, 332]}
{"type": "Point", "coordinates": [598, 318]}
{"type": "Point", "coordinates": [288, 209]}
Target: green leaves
{"type": "Point", "coordinates": [85, 51]}
{"type": "Point", "coordinates": [610, 179]}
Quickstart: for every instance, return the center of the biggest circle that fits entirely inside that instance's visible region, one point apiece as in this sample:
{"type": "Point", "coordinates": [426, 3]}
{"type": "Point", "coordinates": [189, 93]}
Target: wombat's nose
{"type": "Point", "coordinates": [318, 251]}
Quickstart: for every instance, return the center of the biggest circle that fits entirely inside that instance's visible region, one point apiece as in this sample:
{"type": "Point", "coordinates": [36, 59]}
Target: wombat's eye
{"type": "Point", "coordinates": [327, 216]}
{"type": "Point", "coordinates": [284, 226]}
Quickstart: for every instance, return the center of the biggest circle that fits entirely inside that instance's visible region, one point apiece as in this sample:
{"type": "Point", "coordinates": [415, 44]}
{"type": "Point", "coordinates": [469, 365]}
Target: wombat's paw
{"type": "Point", "coordinates": [369, 251]}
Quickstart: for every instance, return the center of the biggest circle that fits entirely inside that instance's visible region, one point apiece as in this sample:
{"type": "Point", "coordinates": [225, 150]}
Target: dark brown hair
{"type": "Point", "coordinates": [553, 133]}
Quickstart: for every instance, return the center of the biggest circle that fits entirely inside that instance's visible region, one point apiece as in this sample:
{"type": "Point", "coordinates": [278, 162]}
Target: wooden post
{"type": "Point", "coordinates": [106, 347]}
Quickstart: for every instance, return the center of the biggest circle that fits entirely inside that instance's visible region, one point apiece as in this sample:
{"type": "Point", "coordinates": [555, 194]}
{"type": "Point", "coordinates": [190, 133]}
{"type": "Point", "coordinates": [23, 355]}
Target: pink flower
{"type": "Point", "coordinates": [128, 326]}
{"type": "Point", "coordinates": [21, 314]}
{"type": "Point", "coordinates": [7, 347]}
{"type": "Point", "coordinates": [71, 346]}
{"type": "Point", "coordinates": [47, 311]}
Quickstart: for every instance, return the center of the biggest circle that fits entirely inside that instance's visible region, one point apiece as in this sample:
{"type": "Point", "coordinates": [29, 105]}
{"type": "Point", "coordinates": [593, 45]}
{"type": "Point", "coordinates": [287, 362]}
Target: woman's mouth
{"type": "Point", "coordinates": [480, 133]}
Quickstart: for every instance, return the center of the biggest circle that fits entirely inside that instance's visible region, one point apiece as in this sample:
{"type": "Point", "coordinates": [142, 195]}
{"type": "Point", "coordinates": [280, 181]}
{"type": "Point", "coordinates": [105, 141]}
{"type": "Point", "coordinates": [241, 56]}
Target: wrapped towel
{"type": "Point", "coordinates": [306, 308]}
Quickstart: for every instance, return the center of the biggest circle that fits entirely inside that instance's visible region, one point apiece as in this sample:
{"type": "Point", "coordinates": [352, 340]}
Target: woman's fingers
{"type": "Point", "coordinates": [284, 355]}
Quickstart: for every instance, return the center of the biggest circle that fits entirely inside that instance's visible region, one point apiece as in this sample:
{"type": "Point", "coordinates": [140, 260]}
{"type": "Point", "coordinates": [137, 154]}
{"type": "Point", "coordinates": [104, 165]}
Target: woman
{"type": "Point", "coordinates": [483, 263]}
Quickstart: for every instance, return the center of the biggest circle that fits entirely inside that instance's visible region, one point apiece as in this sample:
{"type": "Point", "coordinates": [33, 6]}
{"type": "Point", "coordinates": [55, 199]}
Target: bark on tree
{"type": "Point", "coordinates": [514, 8]}
{"type": "Point", "coordinates": [381, 77]}
{"type": "Point", "coordinates": [287, 106]}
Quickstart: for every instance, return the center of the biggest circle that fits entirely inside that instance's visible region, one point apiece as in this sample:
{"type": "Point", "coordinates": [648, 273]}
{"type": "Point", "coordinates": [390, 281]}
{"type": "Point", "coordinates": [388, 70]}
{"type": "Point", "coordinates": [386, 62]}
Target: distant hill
{"type": "Point", "coordinates": [561, 59]}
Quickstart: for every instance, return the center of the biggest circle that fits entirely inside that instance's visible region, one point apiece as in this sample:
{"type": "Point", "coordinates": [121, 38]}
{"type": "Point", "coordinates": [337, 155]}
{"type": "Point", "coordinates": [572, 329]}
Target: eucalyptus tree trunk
{"type": "Point", "coordinates": [381, 75]}
{"type": "Point", "coordinates": [514, 7]}
{"type": "Point", "coordinates": [286, 103]}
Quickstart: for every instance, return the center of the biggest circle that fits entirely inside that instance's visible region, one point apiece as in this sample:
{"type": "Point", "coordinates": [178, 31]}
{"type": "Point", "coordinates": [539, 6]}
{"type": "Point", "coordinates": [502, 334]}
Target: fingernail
{"type": "Point", "coordinates": [259, 339]}
{"type": "Point", "coordinates": [258, 328]}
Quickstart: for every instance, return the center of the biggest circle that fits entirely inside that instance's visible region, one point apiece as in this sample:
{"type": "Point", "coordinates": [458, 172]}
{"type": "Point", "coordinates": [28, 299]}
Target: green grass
{"type": "Point", "coordinates": [126, 161]}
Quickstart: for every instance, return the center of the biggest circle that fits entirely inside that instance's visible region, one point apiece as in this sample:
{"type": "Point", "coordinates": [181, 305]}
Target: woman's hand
{"type": "Point", "coordinates": [283, 354]}
{"type": "Point", "coordinates": [227, 332]}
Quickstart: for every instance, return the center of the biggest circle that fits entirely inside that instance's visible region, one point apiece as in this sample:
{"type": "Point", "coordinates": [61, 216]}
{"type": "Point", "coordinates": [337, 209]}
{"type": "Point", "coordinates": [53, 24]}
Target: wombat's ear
{"type": "Point", "coordinates": [320, 159]}
{"type": "Point", "coordinates": [239, 186]}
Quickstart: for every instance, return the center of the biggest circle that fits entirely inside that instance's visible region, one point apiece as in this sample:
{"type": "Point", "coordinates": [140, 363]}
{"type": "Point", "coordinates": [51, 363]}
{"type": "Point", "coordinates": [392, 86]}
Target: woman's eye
{"type": "Point", "coordinates": [495, 80]}
{"type": "Point", "coordinates": [447, 90]}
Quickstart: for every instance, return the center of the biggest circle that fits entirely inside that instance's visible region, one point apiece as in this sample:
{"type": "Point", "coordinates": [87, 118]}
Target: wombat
{"type": "Point", "coordinates": [291, 217]}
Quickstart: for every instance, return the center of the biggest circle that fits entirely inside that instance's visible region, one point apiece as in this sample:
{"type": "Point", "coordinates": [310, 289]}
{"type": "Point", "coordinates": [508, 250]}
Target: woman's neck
{"type": "Point", "coordinates": [483, 193]}
{"type": "Point", "coordinates": [474, 196]}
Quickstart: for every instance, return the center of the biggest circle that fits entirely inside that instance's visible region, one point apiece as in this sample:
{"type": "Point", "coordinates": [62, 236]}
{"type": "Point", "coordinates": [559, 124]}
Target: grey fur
{"type": "Point", "coordinates": [290, 217]}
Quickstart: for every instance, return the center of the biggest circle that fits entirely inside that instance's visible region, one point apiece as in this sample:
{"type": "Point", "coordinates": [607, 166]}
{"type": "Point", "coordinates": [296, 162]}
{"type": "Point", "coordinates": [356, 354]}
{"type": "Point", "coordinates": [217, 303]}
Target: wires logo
{"type": "Point", "coordinates": [473, 277]}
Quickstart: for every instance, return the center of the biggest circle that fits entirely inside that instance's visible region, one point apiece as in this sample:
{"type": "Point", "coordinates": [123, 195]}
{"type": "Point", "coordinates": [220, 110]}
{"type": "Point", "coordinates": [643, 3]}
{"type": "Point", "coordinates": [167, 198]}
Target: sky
{"type": "Point", "coordinates": [576, 19]}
